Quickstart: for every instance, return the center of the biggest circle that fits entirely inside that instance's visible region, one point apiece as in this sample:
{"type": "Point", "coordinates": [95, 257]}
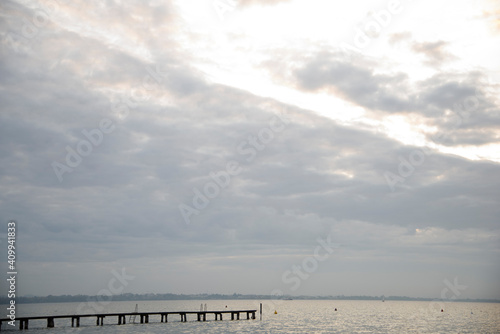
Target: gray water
{"type": "Point", "coordinates": [294, 316]}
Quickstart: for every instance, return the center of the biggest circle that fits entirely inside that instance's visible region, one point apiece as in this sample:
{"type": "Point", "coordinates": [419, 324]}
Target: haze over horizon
{"type": "Point", "coordinates": [255, 147]}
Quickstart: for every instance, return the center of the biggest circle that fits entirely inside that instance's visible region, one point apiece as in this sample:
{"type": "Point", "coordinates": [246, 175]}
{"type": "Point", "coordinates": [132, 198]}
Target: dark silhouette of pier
{"type": "Point", "coordinates": [120, 317]}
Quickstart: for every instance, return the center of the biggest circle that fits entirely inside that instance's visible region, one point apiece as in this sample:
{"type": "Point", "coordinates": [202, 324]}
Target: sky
{"type": "Point", "coordinates": [295, 147]}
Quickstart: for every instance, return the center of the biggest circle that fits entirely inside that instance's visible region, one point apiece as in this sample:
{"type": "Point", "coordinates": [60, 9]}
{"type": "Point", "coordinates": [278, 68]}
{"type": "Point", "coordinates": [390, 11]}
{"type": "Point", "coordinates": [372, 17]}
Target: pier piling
{"type": "Point", "coordinates": [23, 324]}
{"type": "Point", "coordinates": [74, 321]}
{"type": "Point", "coordinates": [100, 320]}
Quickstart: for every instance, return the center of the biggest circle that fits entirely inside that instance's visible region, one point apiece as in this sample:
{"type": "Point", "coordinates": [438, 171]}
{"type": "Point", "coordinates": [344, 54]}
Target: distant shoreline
{"type": "Point", "coordinates": [171, 296]}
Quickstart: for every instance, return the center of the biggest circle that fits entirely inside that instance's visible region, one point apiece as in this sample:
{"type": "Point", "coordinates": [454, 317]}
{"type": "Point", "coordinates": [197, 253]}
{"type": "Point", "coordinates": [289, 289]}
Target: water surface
{"type": "Point", "coordinates": [294, 316]}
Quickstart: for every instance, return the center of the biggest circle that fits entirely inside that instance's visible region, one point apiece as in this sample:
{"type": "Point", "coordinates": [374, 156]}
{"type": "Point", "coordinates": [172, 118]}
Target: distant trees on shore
{"type": "Point", "coordinates": [235, 296]}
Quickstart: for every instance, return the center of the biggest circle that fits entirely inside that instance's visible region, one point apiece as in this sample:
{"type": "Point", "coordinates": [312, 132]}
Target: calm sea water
{"type": "Point", "coordinates": [294, 316]}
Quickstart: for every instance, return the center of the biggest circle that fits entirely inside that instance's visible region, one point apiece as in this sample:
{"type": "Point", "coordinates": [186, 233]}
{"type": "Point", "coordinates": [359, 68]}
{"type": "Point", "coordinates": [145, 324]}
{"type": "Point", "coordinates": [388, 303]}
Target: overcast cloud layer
{"type": "Point", "coordinates": [206, 147]}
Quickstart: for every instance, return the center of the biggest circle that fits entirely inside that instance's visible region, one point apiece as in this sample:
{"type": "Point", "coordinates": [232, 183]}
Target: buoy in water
{"type": "Point", "coordinates": [335, 309]}
{"type": "Point", "coordinates": [275, 312]}
{"type": "Point", "coordinates": [442, 310]}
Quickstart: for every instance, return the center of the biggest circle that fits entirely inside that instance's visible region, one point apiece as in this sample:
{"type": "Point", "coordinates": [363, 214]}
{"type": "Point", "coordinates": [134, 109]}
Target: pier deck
{"type": "Point", "coordinates": [144, 317]}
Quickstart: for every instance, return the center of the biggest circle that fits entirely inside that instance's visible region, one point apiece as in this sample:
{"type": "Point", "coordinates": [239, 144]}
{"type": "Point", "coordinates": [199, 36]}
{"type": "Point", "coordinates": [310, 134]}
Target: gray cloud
{"type": "Point", "coordinates": [120, 206]}
{"type": "Point", "coordinates": [353, 82]}
{"type": "Point", "coordinates": [455, 103]}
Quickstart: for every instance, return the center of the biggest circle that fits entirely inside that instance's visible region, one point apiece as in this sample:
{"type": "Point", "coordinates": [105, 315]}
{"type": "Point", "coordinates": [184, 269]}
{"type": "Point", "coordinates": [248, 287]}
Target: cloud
{"type": "Point", "coordinates": [492, 16]}
{"type": "Point", "coordinates": [459, 105]}
{"type": "Point", "coordinates": [354, 82]}
{"type": "Point", "coordinates": [120, 205]}
{"type": "Point", "coordinates": [435, 52]}
{"type": "Point", "coordinates": [401, 37]}
{"type": "Point", "coordinates": [469, 113]}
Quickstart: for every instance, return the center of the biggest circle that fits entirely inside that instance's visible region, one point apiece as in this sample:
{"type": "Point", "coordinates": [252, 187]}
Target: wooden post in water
{"type": "Point", "coordinates": [73, 321]}
{"type": "Point", "coordinates": [50, 322]}
{"type": "Point", "coordinates": [23, 324]}
{"type": "Point", "coordinates": [121, 320]}
{"type": "Point", "coordinates": [100, 320]}
{"type": "Point", "coordinates": [260, 311]}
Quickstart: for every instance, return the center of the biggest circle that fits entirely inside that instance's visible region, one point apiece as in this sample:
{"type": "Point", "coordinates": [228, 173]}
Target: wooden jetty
{"type": "Point", "coordinates": [144, 317]}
